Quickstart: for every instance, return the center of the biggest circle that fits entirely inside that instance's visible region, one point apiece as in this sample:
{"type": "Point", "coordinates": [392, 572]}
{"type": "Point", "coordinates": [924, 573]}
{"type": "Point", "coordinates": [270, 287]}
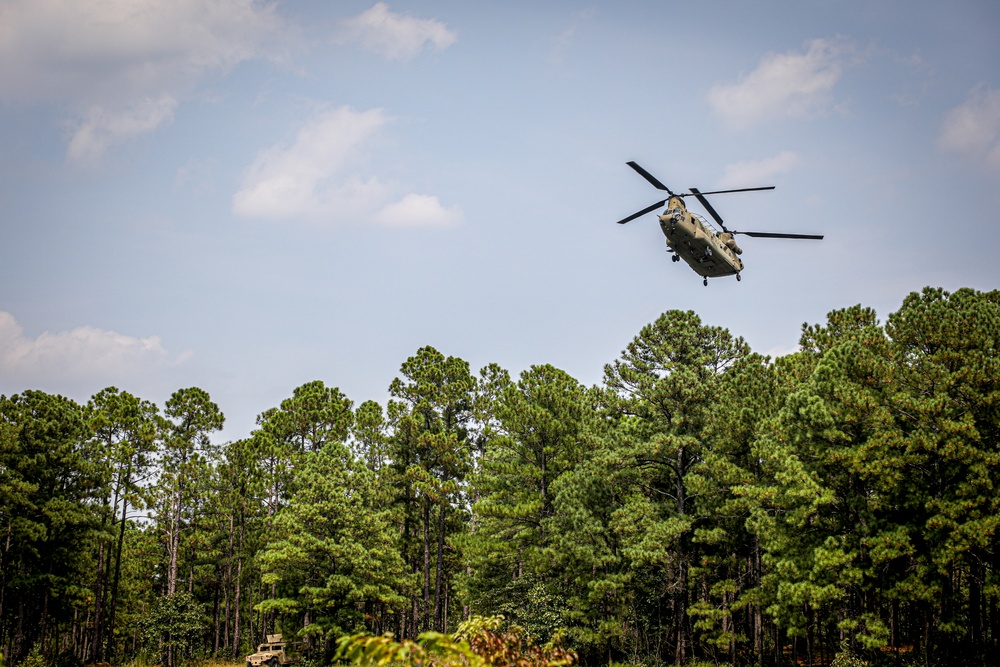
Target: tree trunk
{"type": "Point", "coordinates": [216, 607]}
{"type": "Point", "coordinates": [239, 586]}
{"type": "Point", "coordinates": [809, 634]}
{"type": "Point", "coordinates": [975, 607]}
{"type": "Point", "coordinates": [438, 576]}
{"type": "Point", "coordinates": [758, 616]}
{"type": "Point", "coordinates": [113, 610]}
{"type": "Point", "coordinates": [174, 540]}
{"type": "Point", "coordinates": [99, 592]}
{"type": "Point", "coordinates": [427, 564]}
{"type": "Point", "coordinates": [227, 612]}
{"type": "Point", "coordinates": [680, 652]}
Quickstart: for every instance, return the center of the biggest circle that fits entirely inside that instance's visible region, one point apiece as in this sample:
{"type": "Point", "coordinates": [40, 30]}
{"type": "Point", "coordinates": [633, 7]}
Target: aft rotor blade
{"type": "Point", "coordinates": [719, 192]}
{"type": "Point", "coordinates": [649, 177]}
{"type": "Point", "coordinates": [708, 207]}
{"type": "Point", "coordinates": [772, 235]}
{"type": "Point", "coordinates": [642, 212]}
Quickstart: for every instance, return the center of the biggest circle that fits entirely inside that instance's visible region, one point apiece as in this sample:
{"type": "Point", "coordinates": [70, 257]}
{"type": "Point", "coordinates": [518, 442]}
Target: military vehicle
{"type": "Point", "coordinates": [711, 252]}
{"type": "Point", "coordinates": [272, 653]}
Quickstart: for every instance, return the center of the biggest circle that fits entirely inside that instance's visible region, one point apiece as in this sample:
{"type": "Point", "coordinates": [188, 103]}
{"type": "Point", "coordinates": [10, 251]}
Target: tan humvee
{"type": "Point", "coordinates": [272, 654]}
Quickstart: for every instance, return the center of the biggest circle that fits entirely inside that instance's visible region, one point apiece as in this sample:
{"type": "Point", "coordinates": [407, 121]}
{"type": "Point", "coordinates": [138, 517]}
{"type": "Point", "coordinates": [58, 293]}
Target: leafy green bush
{"type": "Point", "coordinates": [846, 658]}
{"type": "Point", "coordinates": [479, 642]}
{"type": "Point", "coordinates": [34, 658]}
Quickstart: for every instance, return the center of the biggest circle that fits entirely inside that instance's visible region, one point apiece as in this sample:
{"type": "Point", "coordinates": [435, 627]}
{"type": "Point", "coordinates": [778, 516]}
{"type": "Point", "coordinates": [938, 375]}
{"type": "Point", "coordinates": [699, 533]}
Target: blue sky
{"type": "Point", "coordinates": [247, 196]}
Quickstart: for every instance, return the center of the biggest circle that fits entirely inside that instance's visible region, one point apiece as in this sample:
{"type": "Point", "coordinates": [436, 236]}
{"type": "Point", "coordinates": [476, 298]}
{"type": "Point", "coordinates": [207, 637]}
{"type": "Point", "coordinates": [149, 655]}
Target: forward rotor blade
{"type": "Point", "coordinates": [719, 192]}
{"type": "Point", "coordinates": [649, 177]}
{"type": "Point", "coordinates": [772, 235]}
{"type": "Point", "coordinates": [642, 212]}
{"type": "Point", "coordinates": [708, 207]}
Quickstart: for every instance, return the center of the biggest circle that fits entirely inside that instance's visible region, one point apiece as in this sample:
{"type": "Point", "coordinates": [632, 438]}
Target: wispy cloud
{"type": "Point", "coordinates": [101, 127]}
{"type": "Point", "coordinates": [119, 66]}
{"type": "Point", "coordinates": [564, 41]}
{"type": "Point", "coordinates": [82, 355]}
{"type": "Point", "coordinates": [783, 85]}
{"type": "Point", "coordinates": [316, 178]}
{"type": "Point", "coordinates": [758, 172]}
{"type": "Point", "coordinates": [395, 36]}
{"type": "Point", "coordinates": [973, 127]}
{"type": "Point", "coordinates": [309, 177]}
{"type": "Point", "coordinates": [415, 210]}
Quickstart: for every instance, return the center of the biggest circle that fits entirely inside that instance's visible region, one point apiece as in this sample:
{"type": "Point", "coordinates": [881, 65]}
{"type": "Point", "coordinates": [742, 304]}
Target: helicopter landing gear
{"type": "Point", "coordinates": [705, 282]}
{"type": "Point", "coordinates": [738, 277]}
{"type": "Point", "coordinates": [675, 258]}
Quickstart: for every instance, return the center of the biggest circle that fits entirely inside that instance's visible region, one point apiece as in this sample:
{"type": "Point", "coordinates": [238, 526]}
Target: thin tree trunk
{"type": "Point", "coordinates": [227, 613]}
{"type": "Point", "coordinates": [427, 564]}
{"type": "Point", "coordinates": [99, 592]}
{"type": "Point", "coordinates": [175, 538]}
{"type": "Point", "coordinates": [113, 610]}
{"type": "Point", "coordinates": [438, 576]}
{"type": "Point", "coordinates": [681, 593]}
{"type": "Point", "coordinates": [239, 585]}
{"type": "Point", "coordinates": [216, 608]}
{"type": "Point", "coordinates": [809, 634]}
{"type": "Point", "coordinates": [758, 616]}
{"type": "Point", "coordinates": [3, 580]}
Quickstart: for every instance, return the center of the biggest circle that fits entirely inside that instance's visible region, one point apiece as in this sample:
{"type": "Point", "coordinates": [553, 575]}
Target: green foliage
{"type": "Point", "coordinates": [48, 520]}
{"type": "Point", "coordinates": [529, 601]}
{"type": "Point", "coordinates": [663, 392]}
{"type": "Point", "coordinates": [539, 433]}
{"type": "Point", "coordinates": [431, 648]}
{"type": "Point", "coordinates": [34, 658]}
{"type": "Point", "coordinates": [331, 548]}
{"type": "Point", "coordinates": [479, 642]}
{"type": "Point", "coordinates": [431, 452]}
{"type": "Point", "coordinates": [846, 658]}
{"type": "Point", "coordinates": [172, 627]}
{"type": "Point", "coordinates": [370, 438]}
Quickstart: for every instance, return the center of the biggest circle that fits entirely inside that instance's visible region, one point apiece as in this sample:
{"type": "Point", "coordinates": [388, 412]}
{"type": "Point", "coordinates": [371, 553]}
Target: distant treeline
{"type": "Point", "coordinates": [703, 502]}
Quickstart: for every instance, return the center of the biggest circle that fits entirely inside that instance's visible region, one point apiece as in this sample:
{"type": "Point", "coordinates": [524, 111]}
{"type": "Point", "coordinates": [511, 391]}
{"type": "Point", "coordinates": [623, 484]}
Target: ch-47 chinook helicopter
{"type": "Point", "coordinates": [710, 252]}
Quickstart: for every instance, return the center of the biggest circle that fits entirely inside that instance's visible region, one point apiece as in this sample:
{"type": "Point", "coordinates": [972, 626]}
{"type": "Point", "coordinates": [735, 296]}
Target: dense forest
{"type": "Point", "coordinates": [704, 502]}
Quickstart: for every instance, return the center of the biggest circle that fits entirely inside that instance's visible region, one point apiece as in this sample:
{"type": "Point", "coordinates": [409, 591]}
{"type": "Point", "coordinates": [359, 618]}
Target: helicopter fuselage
{"type": "Point", "coordinates": [711, 253]}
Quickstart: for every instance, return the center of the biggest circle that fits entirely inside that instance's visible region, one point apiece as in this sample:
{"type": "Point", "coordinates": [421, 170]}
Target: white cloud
{"type": "Point", "coordinates": [66, 358]}
{"type": "Point", "coordinates": [301, 180]}
{"type": "Point", "coordinates": [419, 210]}
{"type": "Point", "coordinates": [315, 178]}
{"type": "Point", "coordinates": [395, 36]}
{"type": "Point", "coordinates": [783, 85]}
{"type": "Point", "coordinates": [101, 128]}
{"type": "Point", "coordinates": [119, 66]}
{"type": "Point", "coordinates": [973, 128]}
{"type": "Point", "coordinates": [760, 172]}
{"type": "Point", "coordinates": [118, 50]}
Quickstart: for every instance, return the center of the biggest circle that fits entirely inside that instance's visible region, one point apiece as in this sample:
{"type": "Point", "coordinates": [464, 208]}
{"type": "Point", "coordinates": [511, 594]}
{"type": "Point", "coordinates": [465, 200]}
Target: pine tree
{"type": "Point", "coordinates": [126, 429]}
{"type": "Point", "coordinates": [331, 550]}
{"type": "Point", "coordinates": [539, 434]}
{"type": "Point", "coordinates": [430, 412]}
{"type": "Point", "coordinates": [48, 522]}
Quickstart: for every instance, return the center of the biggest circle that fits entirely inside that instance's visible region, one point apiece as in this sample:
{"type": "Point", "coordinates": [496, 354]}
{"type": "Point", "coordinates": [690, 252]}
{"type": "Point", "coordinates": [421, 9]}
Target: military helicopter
{"type": "Point", "coordinates": [710, 252]}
